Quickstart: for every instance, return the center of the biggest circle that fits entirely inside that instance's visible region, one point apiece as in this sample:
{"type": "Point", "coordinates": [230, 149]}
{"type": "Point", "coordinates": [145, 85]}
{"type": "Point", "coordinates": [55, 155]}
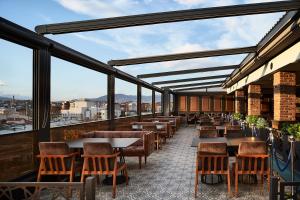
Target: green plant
{"type": "Point", "coordinates": [251, 119]}
{"type": "Point", "coordinates": [284, 128]}
{"type": "Point", "coordinates": [292, 129]}
{"type": "Point", "coordinates": [261, 123]}
{"type": "Point", "coordinates": [237, 116]}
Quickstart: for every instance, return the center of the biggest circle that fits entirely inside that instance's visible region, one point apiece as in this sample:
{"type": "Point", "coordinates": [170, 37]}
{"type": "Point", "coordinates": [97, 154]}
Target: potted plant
{"type": "Point", "coordinates": [286, 131]}
{"type": "Point", "coordinates": [261, 125]}
{"type": "Point", "coordinates": [251, 121]}
{"type": "Point", "coordinates": [237, 117]}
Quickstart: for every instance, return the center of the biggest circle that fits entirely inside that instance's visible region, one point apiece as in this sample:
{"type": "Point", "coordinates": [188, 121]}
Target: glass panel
{"type": "Point", "coordinates": [125, 99]}
{"type": "Point", "coordinates": [158, 106]}
{"type": "Point", "coordinates": [15, 88]}
{"type": "Point", "coordinates": [146, 107]}
{"type": "Point", "coordinates": [78, 94]}
{"type": "Point", "coordinates": [171, 103]}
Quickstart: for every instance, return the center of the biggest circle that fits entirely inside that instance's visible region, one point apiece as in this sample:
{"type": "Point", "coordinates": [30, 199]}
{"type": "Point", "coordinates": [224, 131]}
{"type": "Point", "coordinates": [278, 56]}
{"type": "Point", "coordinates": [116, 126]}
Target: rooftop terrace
{"type": "Point", "coordinates": [158, 95]}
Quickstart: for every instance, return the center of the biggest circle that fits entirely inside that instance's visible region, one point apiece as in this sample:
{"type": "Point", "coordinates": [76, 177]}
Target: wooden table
{"type": "Point", "coordinates": [231, 142]}
{"type": "Point", "coordinates": [115, 142]}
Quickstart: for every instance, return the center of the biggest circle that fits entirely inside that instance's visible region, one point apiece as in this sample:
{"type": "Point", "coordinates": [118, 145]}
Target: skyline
{"type": "Point", "coordinates": [68, 81]}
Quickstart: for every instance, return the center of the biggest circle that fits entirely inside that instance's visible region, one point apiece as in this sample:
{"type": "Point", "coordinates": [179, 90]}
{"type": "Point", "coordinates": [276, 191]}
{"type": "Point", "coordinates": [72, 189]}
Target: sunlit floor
{"type": "Point", "coordinates": [170, 174]}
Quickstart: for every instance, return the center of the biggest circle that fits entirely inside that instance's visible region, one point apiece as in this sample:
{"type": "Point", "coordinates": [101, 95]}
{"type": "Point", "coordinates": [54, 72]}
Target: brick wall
{"type": "Point", "coordinates": [205, 104]}
{"type": "Point", "coordinates": [194, 104]}
{"type": "Point", "coordinates": [229, 104]}
{"type": "Point", "coordinates": [284, 96]}
{"type": "Point", "coordinates": [254, 102]}
{"type": "Point", "coordinates": [217, 104]}
{"type": "Point", "coordinates": [182, 103]}
{"type": "Point", "coordinates": [239, 101]}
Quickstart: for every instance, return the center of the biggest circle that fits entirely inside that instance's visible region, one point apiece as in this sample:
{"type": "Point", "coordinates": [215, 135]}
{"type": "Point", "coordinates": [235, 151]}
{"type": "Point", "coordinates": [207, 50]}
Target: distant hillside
{"type": "Point", "coordinates": [4, 98]}
{"type": "Point", "coordinates": [17, 97]}
{"type": "Point", "coordinates": [120, 98]}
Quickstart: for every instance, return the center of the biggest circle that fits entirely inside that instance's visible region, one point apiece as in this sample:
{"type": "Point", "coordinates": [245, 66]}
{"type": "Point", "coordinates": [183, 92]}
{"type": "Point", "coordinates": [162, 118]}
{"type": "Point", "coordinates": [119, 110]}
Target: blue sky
{"type": "Point", "coordinates": [71, 81]}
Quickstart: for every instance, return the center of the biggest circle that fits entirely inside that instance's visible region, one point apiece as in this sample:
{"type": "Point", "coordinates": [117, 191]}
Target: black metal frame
{"type": "Point", "coordinates": [190, 79]}
{"type": "Point", "coordinates": [167, 17]}
{"type": "Point", "coordinates": [182, 56]}
{"type": "Point", "coordinates": [193, 84]}
{"type": "Point", "coordinates": [198, 88]}
{"type": "Point", "coordinates": [188, 71]}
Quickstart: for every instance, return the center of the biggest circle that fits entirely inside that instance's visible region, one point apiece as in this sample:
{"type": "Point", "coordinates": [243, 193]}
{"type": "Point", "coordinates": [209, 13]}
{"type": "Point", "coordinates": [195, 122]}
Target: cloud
{"type": "Point", "coordinates": [99, 9]}
{"type": "Point", "coordinates": [190, 2]}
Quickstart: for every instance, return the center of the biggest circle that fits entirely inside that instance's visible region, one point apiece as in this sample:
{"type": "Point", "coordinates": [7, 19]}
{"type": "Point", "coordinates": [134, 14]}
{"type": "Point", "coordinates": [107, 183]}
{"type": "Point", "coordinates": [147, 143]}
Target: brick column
{"type": "Point", "coordinates": [254, 107]}
{"type": "Point", "coordinates": [239, 101]}
{"type": "Point", "coordinates": [284, 98]}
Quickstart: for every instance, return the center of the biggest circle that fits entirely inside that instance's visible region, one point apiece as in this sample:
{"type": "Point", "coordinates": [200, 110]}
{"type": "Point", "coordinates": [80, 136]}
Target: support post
{"type": "Point", "coordinates": [176, 104]}
{"type": "Point", "coordinates": [240, 101]}
{"type": "Point", "coordinates": [254, 101]}
{"type": "Point", "coordinates": [153, 103]}
{"type": "Point", "coordinates": [41, 99]}
{"type": "Point", "coordinates": [139, 102]}
{"type": "Point", "coordinates": [111, 101]}
{"type": "Point", "coordinates": [284, 98]}
{"type": "Point", "coordinates": [166, 102]}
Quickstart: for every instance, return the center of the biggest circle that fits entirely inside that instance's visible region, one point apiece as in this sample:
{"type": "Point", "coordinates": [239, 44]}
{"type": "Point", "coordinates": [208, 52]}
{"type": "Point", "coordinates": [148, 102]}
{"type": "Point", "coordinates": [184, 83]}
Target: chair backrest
{"type": "Point", "coordinates": [212, 158]}
{"type": "Point", "coordinates": [252, 148]}
{"type": "Point", "coordinates": [56, 158]}
{"type": "Point", "coordinates": [54, 148]}
{"type": "Point", "coordinates": [234, 133]}
{"type": "Point", "coordinates": [99, 157]}
{"type": "Point", "coordinates": [90, 148]}
{"type": "Point", "coordinates": [252, 158]}
{"type": "Point", "coordinates": [208, 133]}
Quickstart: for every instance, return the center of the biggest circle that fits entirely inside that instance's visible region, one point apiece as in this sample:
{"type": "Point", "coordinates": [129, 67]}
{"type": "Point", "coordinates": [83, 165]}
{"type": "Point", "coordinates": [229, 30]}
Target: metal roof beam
{"type": "Point", "coordinates": [167, 17]}
{"type": "Point", "coordinates": [188, 71]}
{"type": "Point", "coordinates": [182, 56]}
{"type": "Point", "coordinates": [193, 84]}
{"type": "Point", "coordinates": [190, 79]}
{"type": "Point", "coordinates": [198, 88]}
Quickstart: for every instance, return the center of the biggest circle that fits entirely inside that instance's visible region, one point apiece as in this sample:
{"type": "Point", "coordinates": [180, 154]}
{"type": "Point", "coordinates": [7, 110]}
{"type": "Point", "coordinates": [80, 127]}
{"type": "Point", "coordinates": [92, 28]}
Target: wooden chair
{"type": "Point", "coordinates": [252, 159]}
{"type": "Point", "coordinates": [56, 159]}
{"type": "Point", "coordinates": [208, 132]}
{"type": "Point", "coordinates": [100, 159]}
{"type": "Point", "coordinates": [233, 131]}
{"type": "Point", "coordinates": [212, 158]}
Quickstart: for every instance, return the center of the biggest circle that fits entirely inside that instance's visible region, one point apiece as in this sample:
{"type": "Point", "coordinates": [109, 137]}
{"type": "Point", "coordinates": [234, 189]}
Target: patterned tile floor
{"type": "Point", "coordinates": [169, 175]}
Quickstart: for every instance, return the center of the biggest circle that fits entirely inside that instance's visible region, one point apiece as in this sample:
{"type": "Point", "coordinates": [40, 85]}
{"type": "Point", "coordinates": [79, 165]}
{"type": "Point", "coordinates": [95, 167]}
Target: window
{"type": "Point", "coordinates": [125, 98]}
{"type": "Point", "coordinates": [78, 94]}
{"type": "Point", "coordinates": [15, 88]}
{"type": "Point", "coordinates": [158, 103]}
{"type": "Point", "coordinates": [146, 107]}
{"type": "Point", "coordinates": [171, 103]}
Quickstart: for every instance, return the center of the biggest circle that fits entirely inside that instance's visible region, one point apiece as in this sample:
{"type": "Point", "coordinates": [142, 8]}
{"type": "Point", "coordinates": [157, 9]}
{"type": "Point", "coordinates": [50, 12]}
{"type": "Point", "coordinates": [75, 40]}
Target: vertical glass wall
{"type": "Point", "coordinates": [125, 98]}
{"type": "Point", "coordinates": [158, 102]}
{"type": "Point", "coordinates": [146, 107]}
{"type": "Point", "coordinates": [15, 88]}
{"type": "Point", "coordinates": [171, 103]}
{"type": "Point", "coordinates": [78, 94]}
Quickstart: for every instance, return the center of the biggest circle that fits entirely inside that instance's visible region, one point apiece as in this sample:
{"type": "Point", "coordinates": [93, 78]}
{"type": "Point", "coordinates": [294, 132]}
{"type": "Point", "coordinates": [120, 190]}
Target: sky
{"type": "Point", "coordinates": [69, 81]}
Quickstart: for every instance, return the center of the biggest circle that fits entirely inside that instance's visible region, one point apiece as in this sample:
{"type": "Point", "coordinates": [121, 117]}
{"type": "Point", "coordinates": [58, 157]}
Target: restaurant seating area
{"type": "Point", "coordinates": [239, 139]}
